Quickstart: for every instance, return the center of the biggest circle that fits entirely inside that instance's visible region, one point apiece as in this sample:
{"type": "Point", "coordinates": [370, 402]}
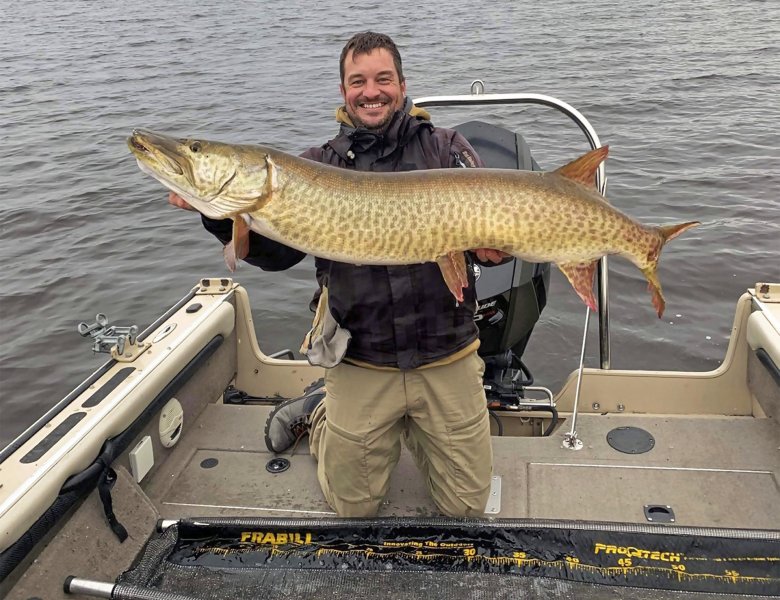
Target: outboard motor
{"type": "Point", "coordinates": [510, 296]}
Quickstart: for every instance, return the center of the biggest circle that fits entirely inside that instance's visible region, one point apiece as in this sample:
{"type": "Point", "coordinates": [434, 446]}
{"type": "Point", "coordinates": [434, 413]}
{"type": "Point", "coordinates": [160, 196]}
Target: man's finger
{"type": "Point", "coordinates": [179, 202]}
{"type": "Point", "coordinates": [490, 255]}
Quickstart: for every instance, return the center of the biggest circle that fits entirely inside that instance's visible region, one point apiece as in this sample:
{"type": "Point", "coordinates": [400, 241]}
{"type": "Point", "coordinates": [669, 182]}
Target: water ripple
{"type": "Point", "coordinates": [686, 98]}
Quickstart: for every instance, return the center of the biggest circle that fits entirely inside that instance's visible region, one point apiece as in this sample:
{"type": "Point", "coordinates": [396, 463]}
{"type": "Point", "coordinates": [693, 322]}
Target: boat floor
{"type": "Point", "coordinates": [712, 472]}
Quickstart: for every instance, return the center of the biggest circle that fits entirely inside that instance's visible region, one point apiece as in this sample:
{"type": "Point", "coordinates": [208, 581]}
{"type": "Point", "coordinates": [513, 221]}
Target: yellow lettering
{"type": "Point", "coordinates": [257, 537]}
{"type": "Point", "coordinates": [269, 538]}
{"type": "Point", "coordinates": [308, 538]}
{"type": "Point", "coordinates": [281, 538]}
{"type": "Point", "coordinates": [632, 551]}
{"type": "Point", "coordinates": [246, 535]}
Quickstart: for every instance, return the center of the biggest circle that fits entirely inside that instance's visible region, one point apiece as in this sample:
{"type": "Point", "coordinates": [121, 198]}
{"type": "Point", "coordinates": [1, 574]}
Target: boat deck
{"type": "Point", "coordinates": [713, 459]}
{"type": "Point", "coordinates": [711, 471]}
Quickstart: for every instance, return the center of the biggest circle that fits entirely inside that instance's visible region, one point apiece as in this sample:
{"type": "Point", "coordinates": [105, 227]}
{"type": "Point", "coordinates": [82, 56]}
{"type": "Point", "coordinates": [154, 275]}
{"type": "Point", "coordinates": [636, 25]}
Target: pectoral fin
{"type": "Point", "coordinates": [238, 247]}
{"type": "Point", "coordinates": [580, 276]}
{"type": "Point", "coordinates": [453, 269]}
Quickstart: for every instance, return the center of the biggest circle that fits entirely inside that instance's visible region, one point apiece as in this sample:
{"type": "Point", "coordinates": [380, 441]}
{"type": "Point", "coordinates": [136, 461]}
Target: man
{"type": "Point", "coordinates": [402, 352]}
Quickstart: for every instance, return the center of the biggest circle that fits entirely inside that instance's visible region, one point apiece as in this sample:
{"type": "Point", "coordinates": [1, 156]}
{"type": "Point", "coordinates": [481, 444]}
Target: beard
{"type": "Point", "coordinates": [376, 126]}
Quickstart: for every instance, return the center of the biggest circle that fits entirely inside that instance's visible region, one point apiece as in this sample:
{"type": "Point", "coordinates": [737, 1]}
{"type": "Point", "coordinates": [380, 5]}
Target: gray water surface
{"type": "Point", "coordinates": [685, 94]}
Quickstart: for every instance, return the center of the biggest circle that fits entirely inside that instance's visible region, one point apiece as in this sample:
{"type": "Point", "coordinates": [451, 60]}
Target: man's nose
{"type": "Point", "coordinates": [371, 89]}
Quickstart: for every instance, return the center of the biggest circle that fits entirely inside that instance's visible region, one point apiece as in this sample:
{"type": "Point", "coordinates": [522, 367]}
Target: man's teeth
{"type": "Point", "coordinates": [374, 105]}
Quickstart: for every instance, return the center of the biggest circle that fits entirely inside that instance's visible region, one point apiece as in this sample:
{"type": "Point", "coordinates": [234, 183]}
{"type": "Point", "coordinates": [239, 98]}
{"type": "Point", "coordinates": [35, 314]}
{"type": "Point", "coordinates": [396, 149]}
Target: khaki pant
{"type": "Point", "coordinates": [441, 412]}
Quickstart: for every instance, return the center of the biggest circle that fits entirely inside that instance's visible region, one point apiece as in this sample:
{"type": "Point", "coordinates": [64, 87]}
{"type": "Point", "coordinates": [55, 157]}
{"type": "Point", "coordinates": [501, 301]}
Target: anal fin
{"type": "Point", "coordinates": [453, 269]}
{"type": "Point", "coordinates": [580, 276]}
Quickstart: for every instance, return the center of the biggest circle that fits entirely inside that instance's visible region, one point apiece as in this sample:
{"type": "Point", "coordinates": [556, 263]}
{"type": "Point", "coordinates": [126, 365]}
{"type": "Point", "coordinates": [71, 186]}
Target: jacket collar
{"type": "Point", "coordinates": [401, 128]}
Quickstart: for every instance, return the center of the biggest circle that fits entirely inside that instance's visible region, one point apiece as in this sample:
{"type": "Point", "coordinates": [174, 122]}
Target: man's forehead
{"type": "Point", "coordinates": [354, 65]}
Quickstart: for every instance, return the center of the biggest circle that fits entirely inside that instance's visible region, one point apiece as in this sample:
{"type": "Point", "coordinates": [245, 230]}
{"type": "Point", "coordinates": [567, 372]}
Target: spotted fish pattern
{"type": "Point", "coordinates": [411, 217]}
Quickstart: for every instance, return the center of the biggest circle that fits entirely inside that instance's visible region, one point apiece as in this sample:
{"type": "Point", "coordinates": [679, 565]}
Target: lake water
{"type": "Point", "coordinates": [685, 94]}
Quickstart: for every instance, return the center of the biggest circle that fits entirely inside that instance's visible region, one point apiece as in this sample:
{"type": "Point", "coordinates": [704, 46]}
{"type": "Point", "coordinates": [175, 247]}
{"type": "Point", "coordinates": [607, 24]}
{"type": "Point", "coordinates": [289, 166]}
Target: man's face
{"type": "Point", "coordinates": [371, 89]}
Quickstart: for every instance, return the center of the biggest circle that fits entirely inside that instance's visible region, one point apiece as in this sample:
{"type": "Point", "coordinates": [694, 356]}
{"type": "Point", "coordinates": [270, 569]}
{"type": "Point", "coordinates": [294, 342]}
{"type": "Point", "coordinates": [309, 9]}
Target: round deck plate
{"type": "Point", "coordinates": [630, 440]}
{"type": "Point", "coordinates": [277, 465]}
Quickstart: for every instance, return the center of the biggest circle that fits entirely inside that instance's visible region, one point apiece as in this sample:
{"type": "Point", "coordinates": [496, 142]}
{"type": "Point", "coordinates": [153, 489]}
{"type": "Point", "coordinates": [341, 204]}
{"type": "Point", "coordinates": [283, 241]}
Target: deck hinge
{"type": "Point", "coordinates": [768, 292]}
{"type": "Point", "coordinates": [214, 286]}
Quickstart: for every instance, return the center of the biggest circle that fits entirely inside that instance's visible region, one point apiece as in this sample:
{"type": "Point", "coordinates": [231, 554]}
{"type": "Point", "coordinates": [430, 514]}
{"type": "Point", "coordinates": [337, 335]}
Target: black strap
{"type": "Point", "coordinates": [106, 482]}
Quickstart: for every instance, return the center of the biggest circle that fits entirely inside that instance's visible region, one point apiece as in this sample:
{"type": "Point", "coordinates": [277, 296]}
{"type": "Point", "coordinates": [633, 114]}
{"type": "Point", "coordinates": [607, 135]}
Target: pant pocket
{"type": "Point", "coordinates": [343, 456]}
{"type": "Point", "coordinates": [470, 455]}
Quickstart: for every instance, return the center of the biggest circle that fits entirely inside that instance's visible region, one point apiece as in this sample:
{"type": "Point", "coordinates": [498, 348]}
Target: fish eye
{"type": "Point", "coordinates": [195, 146]}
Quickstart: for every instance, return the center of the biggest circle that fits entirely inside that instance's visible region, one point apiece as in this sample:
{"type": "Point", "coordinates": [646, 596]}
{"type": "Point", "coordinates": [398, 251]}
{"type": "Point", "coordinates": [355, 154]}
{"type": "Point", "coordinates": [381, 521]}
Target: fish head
{"type": "Point", "coordinates": [219, 180]}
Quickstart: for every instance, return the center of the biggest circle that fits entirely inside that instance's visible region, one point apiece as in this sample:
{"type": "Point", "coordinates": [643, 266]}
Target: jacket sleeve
{"type": "Point", "coordinates": [462, 154]}
{"type": "Point", "coordinates": [265, 253]}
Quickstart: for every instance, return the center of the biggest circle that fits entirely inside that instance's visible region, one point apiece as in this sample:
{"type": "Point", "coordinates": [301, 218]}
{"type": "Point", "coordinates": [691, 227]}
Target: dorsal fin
{"type": "Point", "coordinates": [583, 169]}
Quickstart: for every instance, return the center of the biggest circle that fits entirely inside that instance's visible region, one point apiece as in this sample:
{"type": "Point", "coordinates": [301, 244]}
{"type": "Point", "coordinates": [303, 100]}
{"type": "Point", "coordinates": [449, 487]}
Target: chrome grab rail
{"type": "Point", "coordinates": [479, 98]}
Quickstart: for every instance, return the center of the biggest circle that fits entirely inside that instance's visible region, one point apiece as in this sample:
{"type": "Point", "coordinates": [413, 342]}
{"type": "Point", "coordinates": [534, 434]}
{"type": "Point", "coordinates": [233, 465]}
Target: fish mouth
{"type": "Point", "coordinates": [158, 151]}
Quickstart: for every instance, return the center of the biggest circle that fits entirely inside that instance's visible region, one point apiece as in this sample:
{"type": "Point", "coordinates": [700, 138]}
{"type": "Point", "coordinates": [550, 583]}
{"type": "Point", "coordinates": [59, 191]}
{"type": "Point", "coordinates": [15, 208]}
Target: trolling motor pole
{"type": "Point", "coordinates": [570, 439]}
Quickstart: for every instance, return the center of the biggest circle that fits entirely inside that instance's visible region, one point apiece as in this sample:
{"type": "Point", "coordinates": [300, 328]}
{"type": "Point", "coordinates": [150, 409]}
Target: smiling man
{"type": "Point", "coordinates": [372, 85]}
{"type": "Point", "coordinates": [401, 355]}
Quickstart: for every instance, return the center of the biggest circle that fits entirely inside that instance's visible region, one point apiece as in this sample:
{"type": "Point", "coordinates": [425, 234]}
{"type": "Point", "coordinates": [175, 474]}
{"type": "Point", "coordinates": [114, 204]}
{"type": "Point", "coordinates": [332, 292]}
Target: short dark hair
{"type": "Point", "coordinates": [365, 42]}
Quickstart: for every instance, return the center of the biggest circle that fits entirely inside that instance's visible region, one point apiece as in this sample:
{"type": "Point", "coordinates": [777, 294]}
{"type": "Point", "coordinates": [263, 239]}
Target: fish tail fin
{"type": "Point", "coordinates": [667, 233]}
{"type": "Point", "coordinates": [654, 287]}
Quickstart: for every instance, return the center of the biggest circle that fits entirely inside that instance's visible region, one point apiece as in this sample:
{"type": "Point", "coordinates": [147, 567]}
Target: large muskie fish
{"type": "Point", "coordinates": [411, 217]}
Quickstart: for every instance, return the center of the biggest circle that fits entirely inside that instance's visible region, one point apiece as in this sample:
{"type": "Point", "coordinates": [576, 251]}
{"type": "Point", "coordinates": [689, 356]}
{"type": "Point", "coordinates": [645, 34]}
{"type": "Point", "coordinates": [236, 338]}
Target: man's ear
{"type": "Point", "coordinates": [343, 92]}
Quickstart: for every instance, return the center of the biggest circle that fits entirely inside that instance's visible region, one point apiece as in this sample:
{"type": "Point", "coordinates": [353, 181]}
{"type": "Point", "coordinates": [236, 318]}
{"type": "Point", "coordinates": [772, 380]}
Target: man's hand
{"type": "Point", "coordinates": [178, 201]}
{"type": "Point", "coordinates": [490, 255]}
